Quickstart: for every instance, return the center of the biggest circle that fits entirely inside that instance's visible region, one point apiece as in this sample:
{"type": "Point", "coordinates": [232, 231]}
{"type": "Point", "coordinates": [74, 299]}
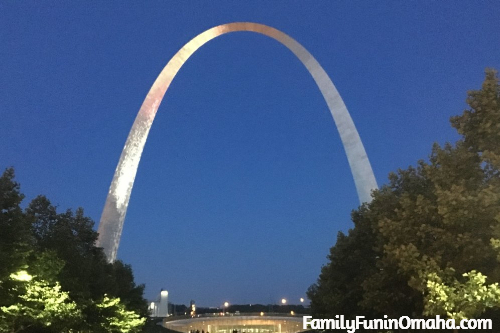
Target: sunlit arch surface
{"type": "Point", "coordinates": [113, 215]}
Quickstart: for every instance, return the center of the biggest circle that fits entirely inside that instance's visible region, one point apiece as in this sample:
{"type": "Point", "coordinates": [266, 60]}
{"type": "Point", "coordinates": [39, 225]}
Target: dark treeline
{"type": "Point", "coordinates": [429, 242]}
{"type": "Point", "coordinates": [52, 276]}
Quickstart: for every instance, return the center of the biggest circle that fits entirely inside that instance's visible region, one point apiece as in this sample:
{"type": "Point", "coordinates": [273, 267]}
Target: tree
{"type": "Point", "coordinates": [39, 304]}
{"type": "Point", "coordinates": [434, 228]}
{"type": "Point", "coordinates": [86, 273]}
{"type": "Point", "coordinates": [127, 290]}
{"type": "Point", "coordinates": [116, 318]}
{"type": "Point", "coordinates": [480, 125]}
{"type": "Point", "coordinates": [339, 289]}
{"type": "Point", "coordinates": [460, 300]}
{"type": "Point", "coordinates": [15, 238]}
{"type": "Point", "coordinates": [52, 276]}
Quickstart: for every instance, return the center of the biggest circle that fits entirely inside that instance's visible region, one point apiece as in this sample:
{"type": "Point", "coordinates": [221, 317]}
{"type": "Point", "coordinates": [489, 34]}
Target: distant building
{"type": "Point", "coordinates": [192, 307]}
{"type": "Point", "coordinates": [159, 308]}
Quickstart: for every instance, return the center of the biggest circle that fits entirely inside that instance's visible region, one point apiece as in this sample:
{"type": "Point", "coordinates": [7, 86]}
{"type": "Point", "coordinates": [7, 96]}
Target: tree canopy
{"type": "Point", "coordinates": [52, 276]}
{"type": "Point", "coordinates": [429, 242]}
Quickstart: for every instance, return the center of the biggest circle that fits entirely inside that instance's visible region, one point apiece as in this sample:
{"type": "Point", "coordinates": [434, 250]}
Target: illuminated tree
{"type": "Point", "coordinates": [116, 318]}
{"type": "Point", "coordinates": [53, 278]}
{"type": "Point", "coordinates": [39, 304]}
{"type": "Point", "coordinates": [460, 300]}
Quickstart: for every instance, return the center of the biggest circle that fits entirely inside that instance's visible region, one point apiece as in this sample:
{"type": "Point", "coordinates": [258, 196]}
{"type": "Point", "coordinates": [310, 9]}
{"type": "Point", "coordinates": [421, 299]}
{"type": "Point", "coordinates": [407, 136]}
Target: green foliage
{"type": "Point", "coordinates": [339, 284]}
{"type": "Point", "coordinates": [117, 318]}
{"type": "Point", "coordinates": [15, 237]}
{"type": "Point", "coordinates": [425, 231]}
{"type": "Point", "coordinates": [39, 303]}
{"type": "Point", "coordinates": [460, 300]}
{"type": "Point", "coordinates": [480, 125]}
{"type": "Point", "coordinates": [69, 276]}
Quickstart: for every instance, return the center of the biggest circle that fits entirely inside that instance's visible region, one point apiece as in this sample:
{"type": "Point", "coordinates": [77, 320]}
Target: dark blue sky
{"type": "Point", "coordinates": [244, 183]}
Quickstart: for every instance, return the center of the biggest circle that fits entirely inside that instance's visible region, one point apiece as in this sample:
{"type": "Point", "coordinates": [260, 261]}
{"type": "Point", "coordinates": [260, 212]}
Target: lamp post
{"type": "Point", "coordinates": [226, 304]}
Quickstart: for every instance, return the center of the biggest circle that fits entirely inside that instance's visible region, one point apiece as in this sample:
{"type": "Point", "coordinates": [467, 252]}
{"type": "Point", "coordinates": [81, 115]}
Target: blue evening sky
{"type": "Point", "coordinates": [243, 184]}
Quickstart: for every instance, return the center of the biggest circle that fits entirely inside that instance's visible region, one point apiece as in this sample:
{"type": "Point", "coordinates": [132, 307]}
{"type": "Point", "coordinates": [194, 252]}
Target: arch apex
{"type": "Point", "coordinates": [115, 208]}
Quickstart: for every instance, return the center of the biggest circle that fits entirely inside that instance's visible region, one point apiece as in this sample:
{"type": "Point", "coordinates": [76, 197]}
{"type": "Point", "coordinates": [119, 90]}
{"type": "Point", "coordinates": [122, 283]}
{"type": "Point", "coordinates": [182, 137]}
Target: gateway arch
{"type": "Point", "coordinates": [115, 209]}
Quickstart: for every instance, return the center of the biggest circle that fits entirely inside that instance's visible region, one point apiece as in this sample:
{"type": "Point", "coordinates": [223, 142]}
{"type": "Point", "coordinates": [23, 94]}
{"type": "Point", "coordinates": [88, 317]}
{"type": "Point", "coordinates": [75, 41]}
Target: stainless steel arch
{"type": "Point", "coordinates": [113, 215]}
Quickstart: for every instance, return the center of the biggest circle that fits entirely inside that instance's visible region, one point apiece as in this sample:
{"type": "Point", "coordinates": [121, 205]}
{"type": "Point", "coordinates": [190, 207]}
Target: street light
{"type": "Point", "coordinates": [283, 301]}
{"type": "Point", "coordinates": [226, 304]}
{"type": "Point", "coordinates": [301, 300]}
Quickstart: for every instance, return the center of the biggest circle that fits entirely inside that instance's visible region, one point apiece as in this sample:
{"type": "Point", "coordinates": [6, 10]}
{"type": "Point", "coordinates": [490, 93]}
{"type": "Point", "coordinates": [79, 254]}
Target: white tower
{"type": "Point", "coordinates": [163, 306]}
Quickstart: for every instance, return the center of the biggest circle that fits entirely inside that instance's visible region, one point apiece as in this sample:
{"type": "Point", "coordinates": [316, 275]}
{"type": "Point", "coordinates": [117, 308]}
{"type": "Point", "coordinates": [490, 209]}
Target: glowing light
{"type": "Point", "coordinates": [21, 276]}
{"type": "Point", "coordinates": [301, 300]}
{"type": "Point", "coordinates": [292, 313]}
{"type": "Point", "coordinates": [164, 293]}
{"type": "Point", "coordinates": [115, 208]}
{"type": "Point", "coordinates": [226, 304]}
{"type": "Point", "coordinates": [283, 301]}
{"type": "Point", "coordinates": [262, 313]}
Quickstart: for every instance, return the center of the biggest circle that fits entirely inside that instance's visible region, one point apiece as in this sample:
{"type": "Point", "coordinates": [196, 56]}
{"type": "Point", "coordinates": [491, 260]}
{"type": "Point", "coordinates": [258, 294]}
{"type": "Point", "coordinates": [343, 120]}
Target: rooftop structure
{"type": "Point", "coordinates": [245, 323]}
